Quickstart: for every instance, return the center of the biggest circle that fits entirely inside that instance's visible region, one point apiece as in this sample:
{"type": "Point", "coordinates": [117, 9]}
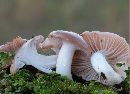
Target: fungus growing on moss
{"type": "Point", "coordinates": [68, 42]}
{"type": "Point", "coordinates": [105, 50]}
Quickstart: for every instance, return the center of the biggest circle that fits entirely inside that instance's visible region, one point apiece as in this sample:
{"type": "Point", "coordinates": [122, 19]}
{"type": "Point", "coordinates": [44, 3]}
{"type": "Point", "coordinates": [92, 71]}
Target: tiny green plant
{"type": "Point", "coordinates": [119, 64]}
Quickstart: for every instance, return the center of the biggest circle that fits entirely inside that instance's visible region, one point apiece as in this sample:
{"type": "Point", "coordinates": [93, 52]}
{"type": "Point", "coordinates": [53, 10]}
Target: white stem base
{"type": "Point", "coordinates": [100, 64]}
{"type": "Point", "coordinates": [64, 60]}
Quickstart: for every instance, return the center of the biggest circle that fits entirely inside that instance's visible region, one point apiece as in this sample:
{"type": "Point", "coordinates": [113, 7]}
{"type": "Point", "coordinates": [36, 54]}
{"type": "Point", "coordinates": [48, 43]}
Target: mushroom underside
{"type": "Point", "coordinates": [113, 47]}
{"type": "Point", "coordinates": [82, 67]}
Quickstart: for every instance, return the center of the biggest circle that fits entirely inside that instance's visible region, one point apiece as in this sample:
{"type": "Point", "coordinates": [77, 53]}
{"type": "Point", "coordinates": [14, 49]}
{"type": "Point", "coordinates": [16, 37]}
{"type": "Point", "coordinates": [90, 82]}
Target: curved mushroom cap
{"type": "Point", "coordinates": [34, 42]}
{"type": "Point", "coordinates": [129, 57]}
{"type": "Point", "coordinates": [12, 46]}
{"type": "Point", "coordinates": [114, 47]}
{"type": "Point", "coordinates": [56, 38]}
{"type": "Point", "coordinates": [24, 51]}
{"type": "Point", "coordinates": [51, 42]}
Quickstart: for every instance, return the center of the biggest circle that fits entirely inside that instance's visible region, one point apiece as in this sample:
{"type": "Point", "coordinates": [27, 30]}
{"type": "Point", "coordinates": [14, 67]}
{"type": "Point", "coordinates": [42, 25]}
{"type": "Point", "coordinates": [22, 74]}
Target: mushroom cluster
{"type": "Point", "coordinates": [26, 54]}
{"type": "Point", "coordinates": [91, 55]}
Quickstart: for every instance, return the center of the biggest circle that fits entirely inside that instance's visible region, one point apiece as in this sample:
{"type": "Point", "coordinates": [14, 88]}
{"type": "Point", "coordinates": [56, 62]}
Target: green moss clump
{"type": "Point", "coordinates": [26, 81]}
{"type": "Point", "coordinates": [19, 83]}
{"type": "Point", "coordinates": [55, 84]}
{"type": "Point", "coordinates": [5, 59]}
{"type": "Point", "coordinates": [126, 85]}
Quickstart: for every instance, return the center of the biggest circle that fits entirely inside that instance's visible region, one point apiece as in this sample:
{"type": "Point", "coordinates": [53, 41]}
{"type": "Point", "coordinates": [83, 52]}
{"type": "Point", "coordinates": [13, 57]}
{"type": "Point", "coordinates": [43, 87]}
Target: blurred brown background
{"type": "Point", "coordinates": [27, 18]}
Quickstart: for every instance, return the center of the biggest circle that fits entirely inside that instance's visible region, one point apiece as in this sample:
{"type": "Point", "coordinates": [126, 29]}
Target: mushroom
{"type": "Point", "coordinates": [12, 46]}
{"type": "Point", "coordinates": [51, 43]}
{"type": "Point", "coordinates": [27, 55]}
{"type": "Point", "coordinates": [68, 42]}
{"type": "Point", "coordinates": [104, 52]}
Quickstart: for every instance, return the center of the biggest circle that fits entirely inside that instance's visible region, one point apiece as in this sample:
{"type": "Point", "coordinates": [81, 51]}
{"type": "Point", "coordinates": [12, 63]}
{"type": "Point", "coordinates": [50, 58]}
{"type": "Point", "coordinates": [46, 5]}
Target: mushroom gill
{"type": "Point", "coordinates": [100, 61]}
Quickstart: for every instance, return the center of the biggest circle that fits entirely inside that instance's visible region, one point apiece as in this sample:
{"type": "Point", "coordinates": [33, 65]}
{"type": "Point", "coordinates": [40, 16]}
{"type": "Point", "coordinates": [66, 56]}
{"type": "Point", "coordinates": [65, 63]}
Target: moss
{"type": "Point", "coordinates": [5, 60]}
{"type": "Point", "coordinates": [28, 81]}
{"type": "Point", "coordinates": [18, 83]}
{"type": "Point", "coordinates": [55, 84]}
{"type": "Point", "coordinates": [126, 85]}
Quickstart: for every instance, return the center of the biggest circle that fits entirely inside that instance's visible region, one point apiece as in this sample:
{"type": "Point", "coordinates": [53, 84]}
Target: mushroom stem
{"type": "Point", "coordinates": [100, 64]}
{"type": "Point", "coordinates": [28, 55]}
{"type": "Point", "coordinates": [41, 62]}
{"type": "Point", "coordinates": [64, 59]}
